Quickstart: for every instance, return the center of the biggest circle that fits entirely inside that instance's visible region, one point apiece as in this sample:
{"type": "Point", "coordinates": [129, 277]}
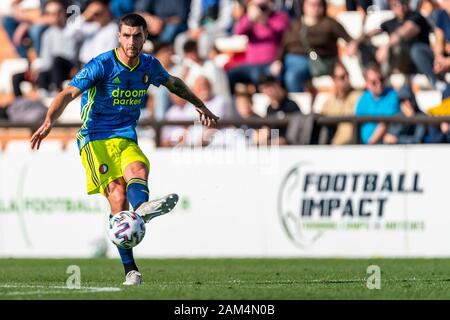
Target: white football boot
{"type": "Point", "coordinates": [152, 209]}
{"type": "Point", "coordinates": [133, 278]}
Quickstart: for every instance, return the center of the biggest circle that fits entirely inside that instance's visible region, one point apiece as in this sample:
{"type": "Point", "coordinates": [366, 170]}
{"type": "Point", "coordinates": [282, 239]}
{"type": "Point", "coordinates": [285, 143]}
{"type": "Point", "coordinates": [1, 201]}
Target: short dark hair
{"type": "Point", "coordinates": [133, 20]}
{"type": "Point", "coordinates": [190, 46]}
{"type": "Point", "coordinates": [372, 66]}
{"type": "Point", "coordinates": [268, 80]}
{"type": "Point", "coordinates": [63, 4]}
{"type": "Point", "coordinates": [339, 64]}
{"type": "Point", "coordinates": [322, 2]}
{"type": "Point", "coordinates": [161, 46]}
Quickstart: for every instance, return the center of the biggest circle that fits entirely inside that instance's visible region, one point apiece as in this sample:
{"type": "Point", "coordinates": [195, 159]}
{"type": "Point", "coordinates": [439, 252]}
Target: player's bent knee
{"type": "Point", "coordinates": [136, 169]}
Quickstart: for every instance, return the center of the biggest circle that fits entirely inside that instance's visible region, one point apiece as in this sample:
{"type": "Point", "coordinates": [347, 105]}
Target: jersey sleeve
{"type": "Point", "coordinates": [88, 76]}
{"type": "Point", "coordinates": [158, 75]}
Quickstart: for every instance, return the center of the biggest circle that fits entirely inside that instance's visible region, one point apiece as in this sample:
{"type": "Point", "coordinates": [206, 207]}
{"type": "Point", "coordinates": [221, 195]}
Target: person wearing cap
{"type": "Point", "coordinates": [406, 133]}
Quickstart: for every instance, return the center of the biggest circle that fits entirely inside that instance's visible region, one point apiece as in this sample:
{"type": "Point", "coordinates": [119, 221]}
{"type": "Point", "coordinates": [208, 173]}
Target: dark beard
{"type": "Point", "coordinates": [135, 56]}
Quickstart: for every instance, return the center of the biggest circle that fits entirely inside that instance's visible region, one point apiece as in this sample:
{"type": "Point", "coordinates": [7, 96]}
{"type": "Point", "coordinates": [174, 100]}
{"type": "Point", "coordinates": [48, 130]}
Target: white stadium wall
{"type": "Point", "coordinates": [282, 202]}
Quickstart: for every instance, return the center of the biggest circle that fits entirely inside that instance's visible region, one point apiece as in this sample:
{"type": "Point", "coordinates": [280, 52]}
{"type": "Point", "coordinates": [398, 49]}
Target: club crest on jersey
{"type": "Point", "coordinates": [145, 78]}
{"type": "Point", "coordinates": [103, 168]}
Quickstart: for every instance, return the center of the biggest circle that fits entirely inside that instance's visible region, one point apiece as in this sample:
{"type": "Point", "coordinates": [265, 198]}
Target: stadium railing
{"type": "Point", "coordinates": [319, 123]}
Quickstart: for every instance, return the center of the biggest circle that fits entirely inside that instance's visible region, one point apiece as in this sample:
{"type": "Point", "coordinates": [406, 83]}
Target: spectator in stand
{"type": "Point", "coordinates": [159, 98]}
{"type": "Point", "coordinates": [244, 107]}
{"type": "Point", "coordinates": [404, 133]}
{"type": "Point", "coordinates": [264, 28]}
{"type": "Point", "coordinates": [442, 43]}
{"type": "Point", "coordinates": [341, 103]}
{"type": "Point", "coordinates": [120, 8]}
{"type": "Point", "coordinates": [376, 100]}
{"type": "Point", "coordinates": [178, 135]}
{"type": "Point", "coordinates": [165, 18]}
{"type": "Point", "coordinates": [242, 135]}
{"type": "Point", "coordinates": [193, 66]}
{"type": "Point", "coordinates": [292, 7]}
{"type": "Point", "coordinates": [309, 46]}
{"type": "Point", "coordinates": [353, 5]}
{"type": "Point", "coordinates": [440, 133]}
{"type": "Point", "coordinates": [179, 111]}
{"type": "Point", "coordinates": [280, 105]}
{"type": "Point", "coordinates": [25, 26]}
{"type": "Point", "coordinates": [208, 20]}
{"type": "Point", "coordinates": [216, 103]}
{"type": "Point", "coordinates": [57, 53]}
{"type": "Point", "coordinates": [408, 49]}
{"type": "Point", "coordinates": [94, 31]}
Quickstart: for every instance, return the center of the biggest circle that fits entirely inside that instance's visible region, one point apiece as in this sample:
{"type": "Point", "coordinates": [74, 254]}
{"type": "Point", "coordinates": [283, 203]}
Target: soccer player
{"type": "Point", "coordinates": [114, 85]}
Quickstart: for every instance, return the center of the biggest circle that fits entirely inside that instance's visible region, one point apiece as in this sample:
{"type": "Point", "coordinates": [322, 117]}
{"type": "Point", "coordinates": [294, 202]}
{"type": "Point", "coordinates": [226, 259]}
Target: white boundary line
{"type": "Point", "coordinates": [51, 290]}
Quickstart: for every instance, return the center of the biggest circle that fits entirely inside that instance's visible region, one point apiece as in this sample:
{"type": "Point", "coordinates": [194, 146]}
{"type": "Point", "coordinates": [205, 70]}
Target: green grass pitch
{"type": "Point", "coordinates": [228, 279]}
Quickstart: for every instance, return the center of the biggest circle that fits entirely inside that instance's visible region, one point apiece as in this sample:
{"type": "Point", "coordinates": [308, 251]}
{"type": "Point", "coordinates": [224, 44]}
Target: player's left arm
{"type": "Point", "coordinates": [178, 87]}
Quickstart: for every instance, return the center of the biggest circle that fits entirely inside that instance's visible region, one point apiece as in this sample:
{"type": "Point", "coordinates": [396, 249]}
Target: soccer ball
{"type": "Point", "coordinates": [126, 229]}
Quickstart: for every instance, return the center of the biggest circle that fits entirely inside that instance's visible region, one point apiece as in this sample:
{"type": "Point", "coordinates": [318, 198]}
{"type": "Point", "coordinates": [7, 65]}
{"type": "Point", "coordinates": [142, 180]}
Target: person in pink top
{"type": "Point", "coordinates": [264, 28]}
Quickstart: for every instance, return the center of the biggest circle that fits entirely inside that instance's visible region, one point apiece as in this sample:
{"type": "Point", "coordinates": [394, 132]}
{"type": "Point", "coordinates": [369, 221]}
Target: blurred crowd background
{"type": "Point", "coordinates": [247, 59]}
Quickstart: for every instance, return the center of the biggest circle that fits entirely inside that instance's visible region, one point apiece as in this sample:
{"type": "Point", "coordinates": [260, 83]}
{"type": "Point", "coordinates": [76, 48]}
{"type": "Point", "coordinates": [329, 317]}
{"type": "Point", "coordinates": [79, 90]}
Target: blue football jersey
{"type": "Point", "coordinates": [113, 94]}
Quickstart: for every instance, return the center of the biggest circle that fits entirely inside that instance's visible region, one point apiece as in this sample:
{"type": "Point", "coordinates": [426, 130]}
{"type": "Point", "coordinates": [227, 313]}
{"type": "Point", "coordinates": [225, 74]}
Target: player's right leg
{"type": "Point", "coordinates": [115, 192]}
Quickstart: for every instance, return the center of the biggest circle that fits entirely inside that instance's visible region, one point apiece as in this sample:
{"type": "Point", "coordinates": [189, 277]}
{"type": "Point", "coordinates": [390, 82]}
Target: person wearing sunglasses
{"type": "Point", "coordinates": [376, 100]}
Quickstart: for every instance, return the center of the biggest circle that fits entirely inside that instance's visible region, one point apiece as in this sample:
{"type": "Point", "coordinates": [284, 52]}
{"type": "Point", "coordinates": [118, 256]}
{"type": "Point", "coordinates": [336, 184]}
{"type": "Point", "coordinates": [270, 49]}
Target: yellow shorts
{"type": "Point", "coordinates": [106, 160]}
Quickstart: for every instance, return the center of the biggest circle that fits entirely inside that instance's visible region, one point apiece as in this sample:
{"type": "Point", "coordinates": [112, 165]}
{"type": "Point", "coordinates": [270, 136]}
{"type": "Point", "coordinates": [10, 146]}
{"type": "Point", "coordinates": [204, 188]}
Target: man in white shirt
{"type": "Point", "coordinates": [94, 30]}
{"type": "Point", "coordinates": [192, 66]}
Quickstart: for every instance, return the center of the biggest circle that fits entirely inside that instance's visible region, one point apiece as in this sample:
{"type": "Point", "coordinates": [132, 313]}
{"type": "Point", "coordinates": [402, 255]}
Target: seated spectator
{"type": "Point", "coordinates": [193, 66]}
{"type": "Point", "coordinates": [242, 135]}
{"type": "Point", "coordinates": [165, 19]}
{"type": "Point", "coordinates": [264, 28]}
{"type": "Point", "coordinates": [198, 135]}
{"type": "Point", "coordinates": [25, 26]}
{"type": "Point", "coordinates": [244, 107]}
{"type": "Point", "coordinates": [405, 133]}
{"type": "Point", "coordinates": [408, 49]}
{"type": "Point", "coordinates": [376, 100]}
{"type": "Point", "coordinates": [293, 8]}
{"type": "Point", "coordinates": [341, 103]}
{"type": "Point", "coordinates": [216, 103]}
{"type": "Point", "coordinates": [120, 8]}
{"type": "Point", "coordinates": [309, 46]}
{"type": "Point", "coordinates": [159, 101]}
{"type": "Point", "coordinates": [57, 53]}
{"type": "Point", "coordinates": [179, 111]}
{"type": "Point", "coordinates": [442, 43]}
{"type": "Point", "coordinates": [208, 20]}
{"type": "Point", "coordinates": [440, 133]}
{"type": "Point", "coordinates": [280, 105]}
{"type": "Point", "coordinates": [94, 31]}
{"type": "Point", "coordinates": [353, 5]}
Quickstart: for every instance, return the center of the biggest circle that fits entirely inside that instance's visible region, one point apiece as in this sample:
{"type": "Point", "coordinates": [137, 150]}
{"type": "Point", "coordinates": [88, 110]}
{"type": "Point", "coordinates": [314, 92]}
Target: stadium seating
{"type": "Point", "coordinates": [8, 68]}
{"type": "Point", "coordinates": [352, 21]}
{"type": "Point", "coordinates": [427, 99]}
{"type": "Point", "coordinates": [373, 21]}
{"type": "Point", "coordinates": [319, 101]}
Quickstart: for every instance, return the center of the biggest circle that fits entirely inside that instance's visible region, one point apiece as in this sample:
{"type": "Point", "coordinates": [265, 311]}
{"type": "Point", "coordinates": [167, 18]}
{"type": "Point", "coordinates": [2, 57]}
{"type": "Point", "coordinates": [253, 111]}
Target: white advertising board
{"type": "Point", "coordinates": [351, 201]}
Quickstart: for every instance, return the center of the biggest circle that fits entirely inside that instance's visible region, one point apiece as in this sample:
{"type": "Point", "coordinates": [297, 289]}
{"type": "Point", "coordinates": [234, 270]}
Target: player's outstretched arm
{"type": "Point", "coordinates": [56, 108]}
{"type": "Point", "coordinates": [178, 87]}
